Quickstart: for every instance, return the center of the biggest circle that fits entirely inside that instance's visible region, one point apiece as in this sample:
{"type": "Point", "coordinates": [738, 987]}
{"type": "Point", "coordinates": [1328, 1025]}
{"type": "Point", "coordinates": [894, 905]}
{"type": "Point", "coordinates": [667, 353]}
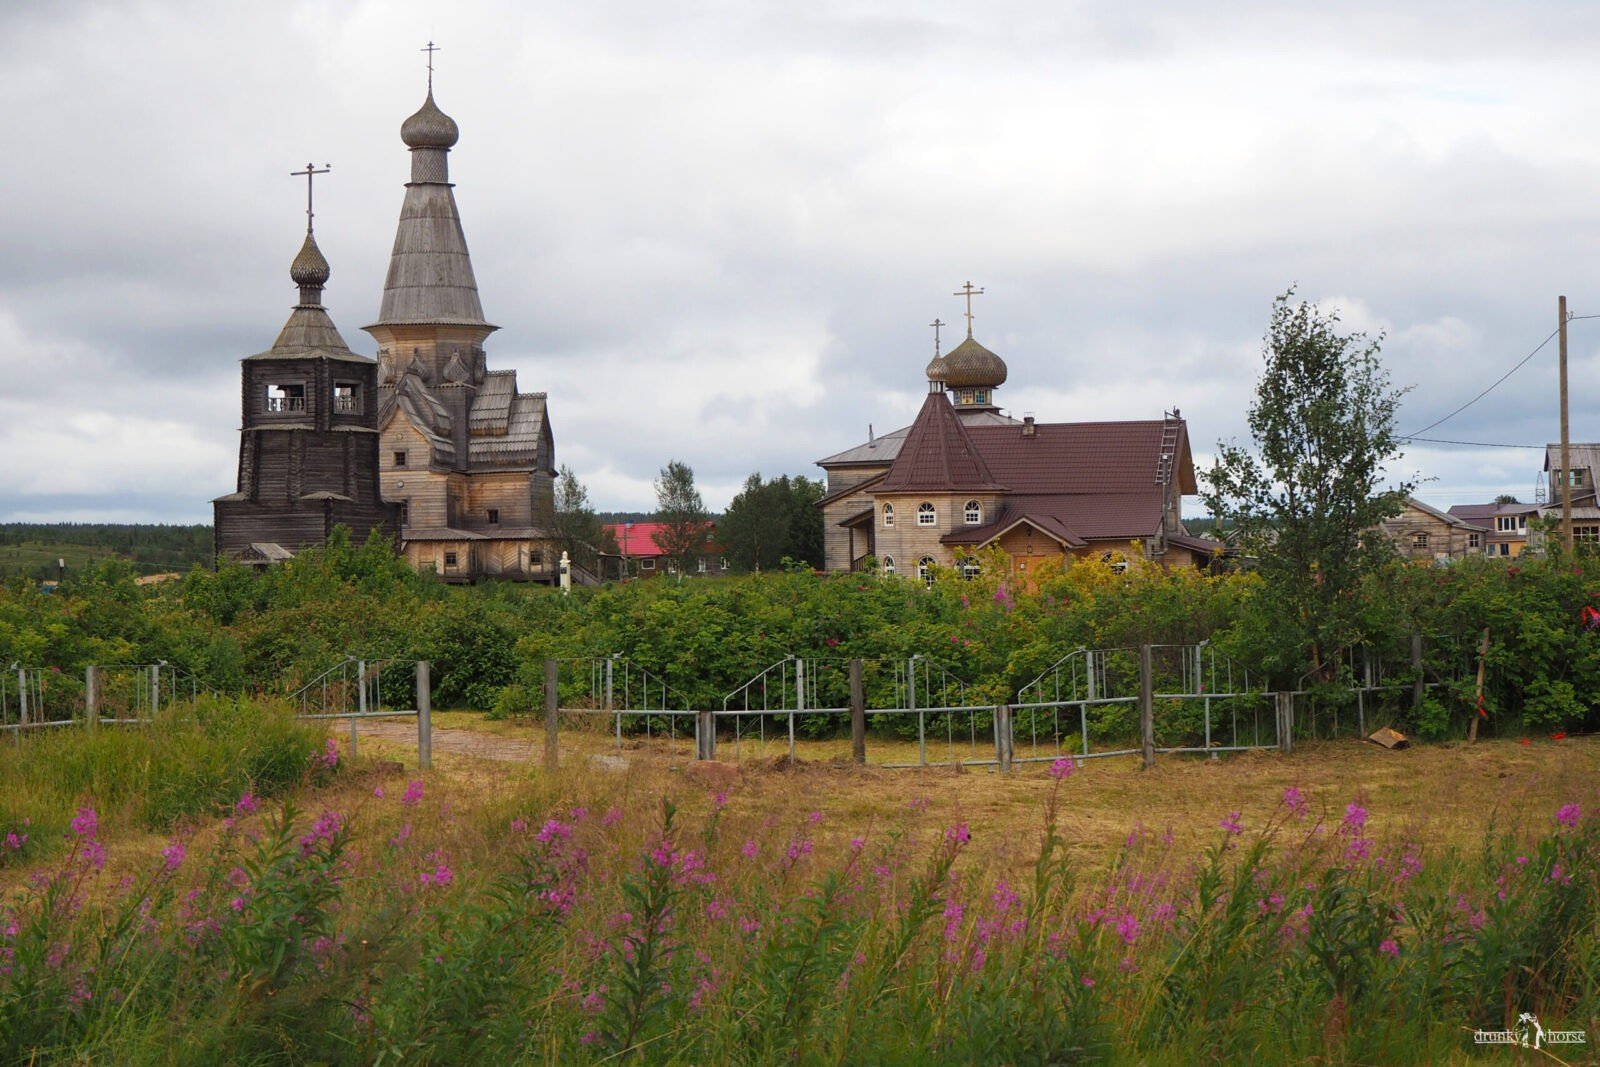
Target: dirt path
{"type": "Point", "coordinates": [450, 742]}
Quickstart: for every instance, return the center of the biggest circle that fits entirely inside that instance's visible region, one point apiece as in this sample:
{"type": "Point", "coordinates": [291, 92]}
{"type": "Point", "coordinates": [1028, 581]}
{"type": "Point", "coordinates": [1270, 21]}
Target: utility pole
{"type": "Point", "coordinates": [1565, 479]}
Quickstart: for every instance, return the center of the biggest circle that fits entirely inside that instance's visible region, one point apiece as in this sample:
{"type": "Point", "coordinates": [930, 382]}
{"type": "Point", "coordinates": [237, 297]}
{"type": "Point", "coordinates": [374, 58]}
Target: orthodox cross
{"type": "Point", "coordinates": [310, 172]}
{"type": "Point", "coordinates": [431, 49]}
{"type": "Point", "coordinates": [969, 292]}
{"type": "Point", "coordinates": [936, 324]}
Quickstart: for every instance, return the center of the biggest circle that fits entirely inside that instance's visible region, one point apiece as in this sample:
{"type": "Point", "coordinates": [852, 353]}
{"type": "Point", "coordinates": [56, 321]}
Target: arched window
{"type": "Point", "coordinates": [974, 513]}
{"type": "Point", "coordinates": [925, 569]}
{"type": "Point", "coordinates": [926, 516]}
{"type": "Point", "coordinates": [969, 568]}
{"type": "Point", "coordinates": [888, 564]}
{"type": "Point", "coordinates": [888, 514]}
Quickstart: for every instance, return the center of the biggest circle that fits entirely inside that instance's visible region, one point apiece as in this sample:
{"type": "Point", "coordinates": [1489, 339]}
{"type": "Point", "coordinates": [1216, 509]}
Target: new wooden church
{"type": "Point", "coordinates": [964, 476]}
{"type": "Point", "coordinates": [425, 443]}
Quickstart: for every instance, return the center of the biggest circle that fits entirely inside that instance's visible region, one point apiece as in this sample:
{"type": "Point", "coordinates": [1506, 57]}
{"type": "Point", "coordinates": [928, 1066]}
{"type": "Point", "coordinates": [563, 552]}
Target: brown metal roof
{"type": "Point", "coordinates": [1082, 457]}
{"type": "Point", "coordinates": [939, 455]}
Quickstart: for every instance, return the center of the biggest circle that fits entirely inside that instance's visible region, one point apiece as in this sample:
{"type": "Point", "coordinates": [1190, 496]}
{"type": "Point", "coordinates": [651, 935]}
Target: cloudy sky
{"type": "Point", "coordinates": [716, 232]}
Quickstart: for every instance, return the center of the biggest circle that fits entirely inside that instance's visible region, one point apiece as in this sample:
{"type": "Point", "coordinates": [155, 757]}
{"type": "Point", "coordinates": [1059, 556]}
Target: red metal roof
{"type": "Point", "coordinates": [637, 539]}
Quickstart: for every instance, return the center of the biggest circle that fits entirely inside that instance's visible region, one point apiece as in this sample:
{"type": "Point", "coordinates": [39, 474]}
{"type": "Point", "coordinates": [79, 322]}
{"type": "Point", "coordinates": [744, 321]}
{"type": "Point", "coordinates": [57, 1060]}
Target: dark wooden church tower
{"type": "Point", "coordinates": [308, 450]}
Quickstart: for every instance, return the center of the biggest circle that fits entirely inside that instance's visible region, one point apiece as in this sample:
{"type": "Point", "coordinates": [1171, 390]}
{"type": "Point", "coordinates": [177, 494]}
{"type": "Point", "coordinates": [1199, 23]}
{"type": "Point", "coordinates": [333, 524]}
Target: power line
{"type": "Point", "coordinates": [1475, 444]}
{"type": "Point", "coordinates": [1491, 388]}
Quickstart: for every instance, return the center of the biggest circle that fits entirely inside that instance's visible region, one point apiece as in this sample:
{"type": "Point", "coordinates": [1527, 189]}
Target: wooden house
{"type": "Point", "coordinates": [1507, 525]}
{"type": "Point", "coordinates": [1423, 532]}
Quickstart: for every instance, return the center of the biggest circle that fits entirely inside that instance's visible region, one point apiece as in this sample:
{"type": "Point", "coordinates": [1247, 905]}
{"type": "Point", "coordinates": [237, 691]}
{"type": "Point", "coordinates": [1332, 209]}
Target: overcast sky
{"type": "Point", "coordinates": [715, 232]}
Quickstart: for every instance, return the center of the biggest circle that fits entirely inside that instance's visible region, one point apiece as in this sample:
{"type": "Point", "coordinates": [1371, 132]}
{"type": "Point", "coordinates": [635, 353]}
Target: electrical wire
{"type": "Point", "coordinates": [1486, 392]}
{"type": "Point", "coordinates": [1476, 444]}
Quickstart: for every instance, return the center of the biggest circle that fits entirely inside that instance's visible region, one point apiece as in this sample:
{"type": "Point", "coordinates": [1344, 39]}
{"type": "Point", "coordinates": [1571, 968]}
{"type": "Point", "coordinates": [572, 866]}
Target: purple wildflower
{"type": "Point", "coordinates": [413, 795]}
{"type": "Point", "coordinates": [1569, 815]}
{"type": "Point", "coordinates": [1389, 947]}
{"type": "Point", "coordinates": [86, 823]}
{"type": "Point", "coordinates": [248, 804]}
{"type": "Point", "coordinates": [1062, 768]}
{"type": "Point", "coordinates": [1232, 823]}
{"type": "Point", "coordinates": [174, 855]}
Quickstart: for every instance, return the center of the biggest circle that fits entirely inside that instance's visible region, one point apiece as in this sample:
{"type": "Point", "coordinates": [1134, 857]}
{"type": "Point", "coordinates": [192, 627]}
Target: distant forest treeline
{"type": "Point", "coordinates": [33, 549]}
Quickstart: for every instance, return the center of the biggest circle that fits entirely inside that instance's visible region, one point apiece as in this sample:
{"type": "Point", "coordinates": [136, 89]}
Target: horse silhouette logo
{"type": "Point", "coordinates": [1528, 1030]}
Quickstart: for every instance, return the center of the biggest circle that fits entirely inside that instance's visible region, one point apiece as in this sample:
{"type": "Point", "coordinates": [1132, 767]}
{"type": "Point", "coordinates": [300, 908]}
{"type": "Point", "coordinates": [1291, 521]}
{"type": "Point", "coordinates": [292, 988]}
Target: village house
{"type": "Point", "coordinates": [1507, 525]}
{"type": "Point", "coordinates": [1423, 532]}
{"type": "Point", "coordinates": [964, 476]}
{"type": "Point", "coordinates": [639, 556]}
{"type": "Point", "coordinates": [1584, 463]}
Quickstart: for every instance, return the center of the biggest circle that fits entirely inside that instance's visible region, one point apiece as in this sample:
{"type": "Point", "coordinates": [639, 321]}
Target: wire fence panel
{"type": "Point", "coordinates": [1206, 702]}
{"type": "Point", "coordinates": [1084, 705]}
{"type": "Point", "coordinates": [613, 698]}
{"type": "Point", "coordinates": [951, 721]}
{"type": "Point", "coordinates": [35, 698]}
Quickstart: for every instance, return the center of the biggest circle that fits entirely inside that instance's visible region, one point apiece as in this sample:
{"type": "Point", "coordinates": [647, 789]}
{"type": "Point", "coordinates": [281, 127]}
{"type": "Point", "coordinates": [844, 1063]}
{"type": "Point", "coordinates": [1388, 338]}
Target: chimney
{"type": "Point", "coordinates": [1028, 428]}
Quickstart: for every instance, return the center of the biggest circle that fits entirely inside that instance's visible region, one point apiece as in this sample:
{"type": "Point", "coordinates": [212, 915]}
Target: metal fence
{"type": "Point", "coordinates": [359, 690]}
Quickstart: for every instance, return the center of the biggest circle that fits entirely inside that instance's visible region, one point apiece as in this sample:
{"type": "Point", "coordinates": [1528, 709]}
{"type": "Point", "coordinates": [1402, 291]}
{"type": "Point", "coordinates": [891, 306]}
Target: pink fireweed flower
{"type": "Point", "coordinates": [814, 818]}
{"type": "Point", "coordinates": [413, 794]}
{"type": "Point", "coordinates": [86, 823]}
{"type": "Point", "coordinates": [798, 848]}
{"type": "Point", "coordinates": [377, 791]}
{"type": "Point", "coordinates": [554, 830]}
{"type": "Point", "coordinates": [720, 800]}
{"type": "Point", "coordinates": [1004, 898]}
{"type": "Point", "coordinates": [1294, 800]}
{"type": "Point", "coordinates": [1232, 823]}
{"type": "Point", "coordinates": [1128, 927]}
{"type": "Point", "coordinates": [958, 834]}
{"type": "Point", "coordinates": [919, 804]}
{"type": "Point", "coordinates": [1557, 877]}
{"type": "Point", "coordinates": [401, 836]}
{"type": "Point", "coordinates": [1062, 768]}
{"type": "Point", "coordinates": [953, 913]}
{"type": "Point", "coordinates": [857, 844]}
{"type": "Point", "coordinates": [15, 841]}
{"type": "Point", "coordinates": [327, 826]}
{"type": "Point", "coordinates": [248, 804]}
{"type": "Point", "coordinates": [519, 826]}
{"type": "Point", "coordinates": [1355, 817]}
{"type": "Point", "coordinates": [1088, 981]}
{"type": "Point", "coordinates": [1569, 815]}
{"type": "Point", "coordinates": [441, 875]}
{"type": "Point", "coordinates": [612, 817]}
{"type": "Point", "coordinates": [174, 855]}
{"type": "Point", "coordinates": [330, 755]}
{"type": "Point", "coordinates": [750, 849]}
{"type": "Point", "coordinates": [1389, 947]}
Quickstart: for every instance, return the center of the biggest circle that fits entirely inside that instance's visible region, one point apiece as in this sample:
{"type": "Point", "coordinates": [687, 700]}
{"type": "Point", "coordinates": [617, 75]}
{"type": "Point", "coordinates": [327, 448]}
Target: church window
{"type": "Point", "coordinates": [1588, 535]}
{"type": "Point", "coordinates": [449, 559]}
{"type": "Point", "coordinates": [969, 568]}
{"type": "Point", "coordinates": [981, 396]}
{"type": "Point", "coordinates": [925, 569]}
{"type": "Point", "coordinates": [283, 398]}
{"type": "Point", "coordinates": [346, 398]}
{"type": "Point", "coordinates": [494, 516]}
{"type": "Point", "coordinates": [1419, 539]}
{"type": "Point", "coordinates": [399, 459]}
{"type": "Point", "coordinates": [974, 513]}
{"type": "Point", "coordinates": [536, 558]}
{"type": "Point", "coordinates": [964, 396]}
{"type": "Point", "coordinates": [926, 515]}
{"type": "Point", "coordinates": [888, 514]}
{"type": "Point", "coordinates": [888, 564]}
{"type": "Point", "coordinates": [405, 513]}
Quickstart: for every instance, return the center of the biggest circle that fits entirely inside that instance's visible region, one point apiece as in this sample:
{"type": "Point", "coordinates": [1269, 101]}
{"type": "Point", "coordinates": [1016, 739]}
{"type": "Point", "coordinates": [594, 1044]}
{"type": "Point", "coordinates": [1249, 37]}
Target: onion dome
{"type": "Point", "coordinates": [430, 127]}
{"type": "Point", "coordinates": [969, 364]}
{"type": "Point", "coordinates": [309, 269]}
{"type": "Point", "coordinates": [937, 369]}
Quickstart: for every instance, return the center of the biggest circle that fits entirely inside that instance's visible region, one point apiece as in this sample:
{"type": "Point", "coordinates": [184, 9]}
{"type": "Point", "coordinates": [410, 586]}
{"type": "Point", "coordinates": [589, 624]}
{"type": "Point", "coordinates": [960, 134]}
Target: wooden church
{"type": "Point", "coordinates": [308, 447]}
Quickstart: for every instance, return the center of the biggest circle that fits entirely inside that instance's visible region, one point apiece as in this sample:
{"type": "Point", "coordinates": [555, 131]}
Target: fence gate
{"type": "Point", "coordinates": [357, 689]}
{"type": "Point", "coordinates": [945, 709]}
{"type": "Point", "coordinates": [1084, 705]}
{"type": "Point", "coordinates": [1204, 701]}
{"type": "Point", "coordinates": [613, 697]}
{"type": "Point", "coordinates": [33, 698]}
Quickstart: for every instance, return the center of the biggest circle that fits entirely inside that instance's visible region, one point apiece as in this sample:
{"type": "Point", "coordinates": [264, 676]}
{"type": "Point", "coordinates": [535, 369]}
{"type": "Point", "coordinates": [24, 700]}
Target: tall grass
{"type": "Point", "coordinates": [564, 923]}
{"type": "Point", "coordinates": [191, 761]}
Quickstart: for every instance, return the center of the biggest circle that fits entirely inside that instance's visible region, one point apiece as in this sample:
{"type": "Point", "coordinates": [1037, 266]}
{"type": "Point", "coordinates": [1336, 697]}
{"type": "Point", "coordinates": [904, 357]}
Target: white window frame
{"type": "Point", "coordinates": [925, 567]}
{"type": "Point", "coordinates": [927, 514]}
{"type": "Point", "coordinates": [888, 564]}
{"type": "Point", "coordinates": [1419, 539]}
{"type": "Point", "coordinates": [973, 512]}
{"type": "Point", "coordinates": [647, 564]}
{"type": "Point", "coordinates": [888, 515]}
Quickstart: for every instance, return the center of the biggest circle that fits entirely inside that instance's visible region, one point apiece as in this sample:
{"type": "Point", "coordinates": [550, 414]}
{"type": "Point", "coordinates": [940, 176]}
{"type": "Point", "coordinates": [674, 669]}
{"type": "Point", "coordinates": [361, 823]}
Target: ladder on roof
{"type": "Point", "coordinates": [1169, 446]}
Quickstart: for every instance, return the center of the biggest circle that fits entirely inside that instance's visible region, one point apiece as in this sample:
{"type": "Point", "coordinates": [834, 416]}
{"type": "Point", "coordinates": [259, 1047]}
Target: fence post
{"type": "Point", "coordinates": [1285, 715]}
{"type": "Point", "coordinates": [1003, 740]}
{"type": "Point", "coordinates": [155, 689]}
{"type": "Point", "coordinates": [424, 716]}
{"type": "Point", "coordinates": [799, 699]}
{"type": "Point", "coordinates": [1417, 687]}
{"type": "Point", "coordinates": [922, 730]}
{"type": "Point", "coordinates": [1147, 707]}
{"type": "Point", "coordinates": [91, 696]}
{"type": "Point", "coordinates": [858, 714]}
{"type": "Point", "coordinates": [705, 734]}
{"type": "Point", "coordinates": [22, 699]}
{"type": "Point", "coordinates": [611, 707]}
{"type": "Point", "coordinates": [551, 703]}
{"type": "Point", "coordinates": [361, 703]}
